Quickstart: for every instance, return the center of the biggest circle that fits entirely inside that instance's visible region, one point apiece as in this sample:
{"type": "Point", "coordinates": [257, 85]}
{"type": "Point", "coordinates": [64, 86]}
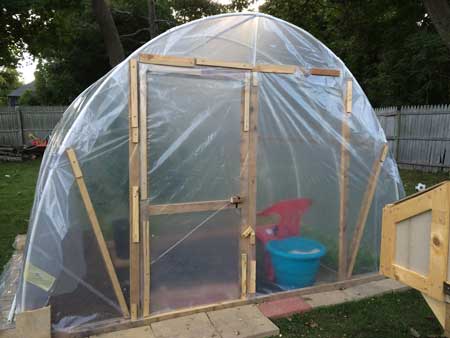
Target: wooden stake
{"type": "Point", "coordinates": [145, 223]}
{"type": "Point", "coordinates": [97, 230]}
{"type": "Point", "coordinates": [365, 208]}
{"type": "Point", "coordinates": [252, 150]}
{"type": "Point", "coordinates": [244, 275]}
{"type": "Point", "coordinates": [134, 166]}
{"type": "Point", "coordinates": [343, 181]}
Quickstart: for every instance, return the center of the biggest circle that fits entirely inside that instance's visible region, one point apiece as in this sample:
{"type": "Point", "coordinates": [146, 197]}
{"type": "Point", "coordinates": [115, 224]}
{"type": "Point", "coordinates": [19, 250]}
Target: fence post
{"type": "Point", "coordinates": [19, 125]}
{"type": "Point", "coordinates": [398, 118]}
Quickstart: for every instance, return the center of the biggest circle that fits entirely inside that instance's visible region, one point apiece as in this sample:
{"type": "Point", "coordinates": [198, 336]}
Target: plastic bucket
{"type": "Point", "coordinates": [295, 261]}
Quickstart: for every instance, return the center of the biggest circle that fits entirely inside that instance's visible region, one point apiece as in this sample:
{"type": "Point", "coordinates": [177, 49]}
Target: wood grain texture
{"type": "Point", "coordinates": [134, 175]}
{"type": "Point", "coordinates": [179, 208]}
{"type": "Point", "coordinates": [343, 181]}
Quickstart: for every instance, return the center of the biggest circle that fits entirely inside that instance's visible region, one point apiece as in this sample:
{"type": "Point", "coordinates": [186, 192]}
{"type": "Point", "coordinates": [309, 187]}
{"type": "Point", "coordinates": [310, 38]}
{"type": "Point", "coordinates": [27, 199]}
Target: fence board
{"type": "Point", "coordinates": [20, 125]}
{"type": "Point", "coordinates": [419, 136]}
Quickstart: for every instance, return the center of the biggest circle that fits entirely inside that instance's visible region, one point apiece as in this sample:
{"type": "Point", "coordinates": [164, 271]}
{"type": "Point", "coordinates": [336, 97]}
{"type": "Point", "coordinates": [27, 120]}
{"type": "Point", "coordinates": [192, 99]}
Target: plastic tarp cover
{"type": "Point", "coordinates": [193, 127]}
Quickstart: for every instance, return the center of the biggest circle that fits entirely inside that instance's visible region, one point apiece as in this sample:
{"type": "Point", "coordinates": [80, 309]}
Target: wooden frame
{"type": "Point", "coordinates": [436, 200]}
{"type": "Point", "coordinates": [78, 174]}
{"type": "Point", "coordinates": [134, 183]}
{"type": "Point", "coordinates": [140, 236]}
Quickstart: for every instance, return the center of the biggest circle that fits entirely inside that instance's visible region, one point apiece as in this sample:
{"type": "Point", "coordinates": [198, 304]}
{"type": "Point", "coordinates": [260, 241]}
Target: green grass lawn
{"type": "Point", "coordinates": [17, 183]}
{"type": "Point", "coordinates": [396, 315]}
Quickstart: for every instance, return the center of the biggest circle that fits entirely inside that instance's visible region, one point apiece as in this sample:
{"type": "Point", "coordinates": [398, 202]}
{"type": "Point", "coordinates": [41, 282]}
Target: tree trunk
{"type": "Point", "coordinates": [439, 11]}
{"type": "Point", "coordinates": [153, 28]}
{"type": "Point", "coordinates": [109, 31]}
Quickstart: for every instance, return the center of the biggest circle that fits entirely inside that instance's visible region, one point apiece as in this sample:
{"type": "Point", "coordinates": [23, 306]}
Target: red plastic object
{"type": "Point", "coordinates": [290, 213]}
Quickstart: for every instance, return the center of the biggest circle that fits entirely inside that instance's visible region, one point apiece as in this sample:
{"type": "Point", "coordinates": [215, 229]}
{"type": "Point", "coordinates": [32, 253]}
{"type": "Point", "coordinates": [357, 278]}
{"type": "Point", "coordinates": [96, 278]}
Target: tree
{"type": "Point", "coordinates": [439, 11]}
{"type": "Point", "coordinates": [390, 46]}
{"type": "Point", "coordinates": [9, 80]}
{"type": "Point", "coordinates": [109, 31]}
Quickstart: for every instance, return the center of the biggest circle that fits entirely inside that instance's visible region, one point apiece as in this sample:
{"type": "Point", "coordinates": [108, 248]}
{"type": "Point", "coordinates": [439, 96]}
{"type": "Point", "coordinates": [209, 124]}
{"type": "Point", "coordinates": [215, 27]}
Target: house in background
{"type": "Point", "coordinates": [14, 96]}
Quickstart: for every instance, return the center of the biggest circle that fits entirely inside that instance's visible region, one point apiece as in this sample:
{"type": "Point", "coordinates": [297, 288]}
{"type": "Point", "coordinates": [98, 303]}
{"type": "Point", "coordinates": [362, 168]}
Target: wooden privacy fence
{"type": "Point", "coordinates": [418, 136]}
{"type": "Point", "coordinates": [20, 125]}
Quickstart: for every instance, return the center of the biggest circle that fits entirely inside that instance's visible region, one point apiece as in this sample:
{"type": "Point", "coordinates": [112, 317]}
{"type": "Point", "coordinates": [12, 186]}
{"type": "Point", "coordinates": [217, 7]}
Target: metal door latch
{"type": "Point", "coordinates": [236, 200]}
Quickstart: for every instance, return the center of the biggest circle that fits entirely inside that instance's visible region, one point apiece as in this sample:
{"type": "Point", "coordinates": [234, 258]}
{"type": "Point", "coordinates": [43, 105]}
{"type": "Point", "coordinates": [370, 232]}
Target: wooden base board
{"type": "Point", "coordinates": [121, 323]}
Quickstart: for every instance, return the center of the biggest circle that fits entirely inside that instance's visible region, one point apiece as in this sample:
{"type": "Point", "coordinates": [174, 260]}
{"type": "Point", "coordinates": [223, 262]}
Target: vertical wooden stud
{"type": "Point", "coordinates": [343, 180]}
{"type": "Point", "coordinates": [145, 222]}
{"type": "Point", "coordinates": [97, 231]}
{"type": "Point", "coordinates": [134, 167]}
{"type": "Point", "coordinates": [252, 150]}
{"type": "Point", "coordinates": [244, 152]}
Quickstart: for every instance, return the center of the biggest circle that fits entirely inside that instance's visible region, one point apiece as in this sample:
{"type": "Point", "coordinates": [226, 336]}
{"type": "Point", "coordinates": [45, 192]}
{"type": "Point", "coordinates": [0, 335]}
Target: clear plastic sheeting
{"type": "Point", "coordinates": [194, 155]}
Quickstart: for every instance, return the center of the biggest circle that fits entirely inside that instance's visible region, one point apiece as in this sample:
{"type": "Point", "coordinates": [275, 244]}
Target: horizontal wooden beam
{"type": "Point", "coordinates": [223, 64]}
{"type": "Point", "coordinates": [325, 72]}
{"type": "Point", "coordinates": [177, 61]}
{"type": "Point", "coordinates": [120, 324]}
{"type": "Point", "coordinates": [178, 208]}
{"type": "Point", "coordinates": [167, 60]}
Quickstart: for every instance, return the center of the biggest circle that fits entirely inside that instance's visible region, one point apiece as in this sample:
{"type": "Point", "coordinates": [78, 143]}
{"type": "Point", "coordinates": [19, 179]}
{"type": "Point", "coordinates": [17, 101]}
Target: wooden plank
{"type": "Point", "coordinates": [35, 323]}
{"type": "Point", "coordinates": [410, 278]}
{"type": "Point", "coordinates": [243, 179]}
{"type": "Point", "coordinates": [440, 225]}
{"type": "Point", "coordinates": [244, 275]}
{"type": "Point", "coordinates": [252, 285]}
{"type": "Point", "coordinates": [97, 230]}
{"type": "Point", "coordinates": [222, 64]}
{"type": "Point", "coordinates": [178, 208]}
{"type": "Point", "coordinates": [135, 218]}
{"type": "Point", "coordinates": [166, 60]}
{"type": "Point", "coordinates": [325, 72]}
{"type": "Point", "coordinates": [365, 207]}
{"type": "Point", "coordinates": [343, 182]}
{"type": "Point", "coordinates": [143, 115]}
{"type": "Point", "coordinates": [146, 267]}
{"type": "Point", "coordinates": [134, 176]}
{"type": "Point", "coordinates": [247, 103]}
{"type": "Point", "coordinates": [279, 69]}
{"type": "Point", "coordinates": [349, 96]}
{"type": "Point", "coordinates": [143, 97]}
{"type": "Point", "coordinates": [252, 152]}
{"type": "Point", "coordinates": [110, 325]}
{"type": "Point", "coordinates": [388, 238]}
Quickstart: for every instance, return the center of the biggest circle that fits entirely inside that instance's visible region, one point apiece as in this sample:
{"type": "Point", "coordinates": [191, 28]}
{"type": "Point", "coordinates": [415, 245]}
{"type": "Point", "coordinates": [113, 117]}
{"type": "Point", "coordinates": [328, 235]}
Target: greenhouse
{"type": "Point", "coordinates": [228, 159]}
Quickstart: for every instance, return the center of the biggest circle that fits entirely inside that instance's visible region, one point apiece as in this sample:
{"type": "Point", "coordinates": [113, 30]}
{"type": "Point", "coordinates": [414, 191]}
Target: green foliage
{"type": "Point", "coordinates": [29, 98]}
{"type": "Point", "coordinates": [390, 46]}
{"type": "Point", "coordinates": [9, 80]}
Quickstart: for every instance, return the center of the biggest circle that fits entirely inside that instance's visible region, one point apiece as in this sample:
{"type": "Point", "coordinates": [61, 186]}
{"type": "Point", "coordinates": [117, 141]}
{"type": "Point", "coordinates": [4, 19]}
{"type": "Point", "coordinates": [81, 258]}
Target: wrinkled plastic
{"type": "Point", "coordinates": [194, 155]}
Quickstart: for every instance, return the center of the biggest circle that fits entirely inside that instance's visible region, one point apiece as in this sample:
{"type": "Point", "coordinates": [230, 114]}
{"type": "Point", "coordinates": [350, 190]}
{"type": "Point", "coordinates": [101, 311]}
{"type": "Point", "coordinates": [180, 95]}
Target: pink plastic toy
{"type": "Point", "coordinates": [290, 213]}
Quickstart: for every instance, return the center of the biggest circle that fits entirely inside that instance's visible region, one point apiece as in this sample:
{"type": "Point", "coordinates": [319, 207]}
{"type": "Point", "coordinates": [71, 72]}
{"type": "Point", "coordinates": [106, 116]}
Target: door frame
{"type": "Point", "coordinates": [139, 225]}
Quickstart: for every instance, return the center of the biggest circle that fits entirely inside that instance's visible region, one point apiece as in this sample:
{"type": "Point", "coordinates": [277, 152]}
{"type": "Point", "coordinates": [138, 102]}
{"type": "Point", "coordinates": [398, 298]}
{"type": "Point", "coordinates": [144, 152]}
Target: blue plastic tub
{"type": "Point", "coordinates": [295, 261]}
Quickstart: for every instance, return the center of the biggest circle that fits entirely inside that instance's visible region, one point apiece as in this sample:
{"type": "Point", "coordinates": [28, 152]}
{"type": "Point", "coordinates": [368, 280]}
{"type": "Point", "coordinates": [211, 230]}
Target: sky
{"type": "Point", "coordinates": [27, 66]}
